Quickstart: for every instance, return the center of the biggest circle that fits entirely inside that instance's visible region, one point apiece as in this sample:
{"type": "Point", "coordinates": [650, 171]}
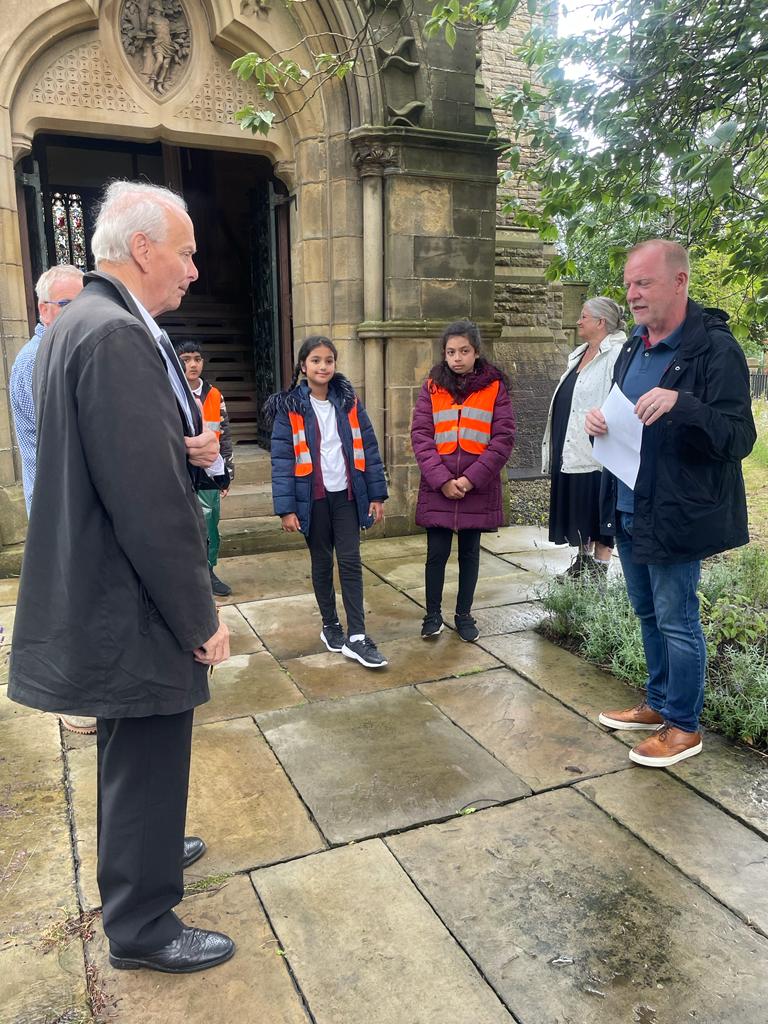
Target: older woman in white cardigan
{"type": "Point", "coordinates": [566, 452]}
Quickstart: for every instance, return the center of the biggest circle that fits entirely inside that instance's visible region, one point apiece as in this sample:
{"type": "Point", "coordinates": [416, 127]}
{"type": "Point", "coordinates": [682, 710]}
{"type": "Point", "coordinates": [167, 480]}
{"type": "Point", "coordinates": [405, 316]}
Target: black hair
{"type": "Point", "coordinates": [188, 347]}
{"type": "Point", "coordinates": [308, 345]}
{"type": "Point", "coordinates": [443, 375]}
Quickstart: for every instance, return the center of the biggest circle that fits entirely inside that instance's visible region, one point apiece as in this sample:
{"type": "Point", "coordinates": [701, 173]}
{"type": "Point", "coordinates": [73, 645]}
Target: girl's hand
{"type": "Point", "coordinates": [452, 490]}
{"type": "Point", "coordinates": [224, 493]}
{"type": "Point", "coordinates": [291, 523]}
{"type": "Point", "coordinates": [376, 509]}
{"type": "Point", "coordinates": [465, 485]}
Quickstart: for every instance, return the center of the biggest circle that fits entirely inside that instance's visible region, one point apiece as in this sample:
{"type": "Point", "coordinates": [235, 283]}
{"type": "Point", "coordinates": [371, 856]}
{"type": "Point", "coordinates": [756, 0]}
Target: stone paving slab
{"type": "Point", "coordinates": [514, 587]}
{"type": "Point", "coordinates": [323, 676]}
{"type": "Point", "coordinates": [248, 684]}
{"type": "Point", "coordinates": [573, 919]}
{"type": "Point", "coordinates": [42, 988]}
{"type": "Point", "coordinates": [415, 545]}
{"type": "Point", "coordinates": [9, 591]}
{"type": "Point", "coordinates": [706, 844]}
{"type": "Point", "coordinates": [531, 733]}
{"type": "Point", "coordinates": [242, 639]}
{"type": "Point", "coordinates": [240, 802]}
{"type": "Point", "coordinates": [510, 618]}
{"type": "Point", "coordinates": [517, 538]}
{"type": "Point", "coordinates": [275, 574]}
{"type": "Point", "coordinates": [290, 626]}
{"type": "Point", "coordinates": [383, 761]}
{"type": "Point", "coordinates": [406, 570]}
{"type": "Point", "coordinates": [7, 619]}
{"type": "Point", "coordinates": [9, 709]}
{"type": "Point", "coordinates": [254, 986]}
{"type": "Point", "coordinates": [37, 880]}
{"type": "Point", "coordinates": [365, 947]}
{"type": "Point", "coordinates": [733, 776]}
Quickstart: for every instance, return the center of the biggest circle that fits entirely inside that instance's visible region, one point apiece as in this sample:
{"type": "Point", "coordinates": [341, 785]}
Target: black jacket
{"type": "Point", "coordinates": [689, 495]}
{"type": "Point", "coordinates": [115, 592]}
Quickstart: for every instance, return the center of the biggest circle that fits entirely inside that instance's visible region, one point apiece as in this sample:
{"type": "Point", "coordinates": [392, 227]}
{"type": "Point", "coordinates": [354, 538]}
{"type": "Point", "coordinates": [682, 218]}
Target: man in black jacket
{"type": "Point", "coordinates": [115, 616]}
{"type": "Point", "coordinates": [689, 380]}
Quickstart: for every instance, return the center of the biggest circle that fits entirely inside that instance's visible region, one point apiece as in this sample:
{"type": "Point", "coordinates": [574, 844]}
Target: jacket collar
{"type": "Point", "coordinates": [609, 342]}
{"type": "Point", "coordinates": [98, 277]}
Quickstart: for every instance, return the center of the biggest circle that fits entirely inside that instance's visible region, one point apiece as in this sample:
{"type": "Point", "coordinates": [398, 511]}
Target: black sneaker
{"type": "Point", "coordinates": [364, 651]}
{"type": "Point", "coordinates": [466, 628]}
{"type": "Point", "coordinates": [432, 626]}
{"type": "Point", "coordinates": [333, 637]}
{"type": "Point", "coordinates": [219, 587]}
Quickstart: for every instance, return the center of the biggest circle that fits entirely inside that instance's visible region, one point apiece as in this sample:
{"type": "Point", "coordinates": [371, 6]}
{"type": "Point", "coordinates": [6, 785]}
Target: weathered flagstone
{"type": "Point", "coordinates": [290, 626]}
{"type": "Point", "coordinates": [9, 709]}
{"type": "Point", "coordinates": [571, 918]}
{"type": "Point", "coordinates": [706, 844]}
{"type": "Point", "coordinates": [545, 561]}
{"type": "Point", "coordinates": [242, 639]}
{"type": "Point", "coordinates": [275, 574]}
{"type": "Point", "coordinates": [406, 570]}
{"type": "Point", "coordinates": [9, 591]}
{"type": "Point", "coordinates": [528, 731]}
{"type": "Point", "coordinates": [248, 684]}
{"type": "Point", "coordinates": [240, 802]}
{"type": "Point", "coordinates": [254, 986]}
{"type": "Point", "coordinates": [516, 538]}
{"type": "Point", "coordinates": [37, 881]}
{"type": "Point", "coordinates": [511, 588]}
{"type": "Point", "coordinates": [383, 761]}
{"type": "Point", "coordinates": [328, 675]}
{"type": "Point", "coordinates": [42, 988]}
{"type": "Point", "coordinates": [364, 946]}
{"type": "Point", "coordinates": [7, 618]}
{"type": "Point", "coordinates": [415, 545]}
{"type": "Point", "coordinates": [509, 618]}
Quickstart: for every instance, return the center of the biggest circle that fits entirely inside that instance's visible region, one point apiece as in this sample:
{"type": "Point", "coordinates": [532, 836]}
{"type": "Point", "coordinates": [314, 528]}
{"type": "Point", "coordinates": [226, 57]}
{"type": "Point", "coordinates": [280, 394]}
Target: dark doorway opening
{"type": "Point", "coordinates": [238, 311]}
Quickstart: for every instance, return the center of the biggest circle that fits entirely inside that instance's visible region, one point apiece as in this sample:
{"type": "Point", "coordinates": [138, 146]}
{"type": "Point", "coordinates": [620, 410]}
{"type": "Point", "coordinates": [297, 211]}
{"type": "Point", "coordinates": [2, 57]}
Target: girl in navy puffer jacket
{"type": "Point", "coordinates": [328, 482]}
{"type": "Point", "coordinates": [462, 434]}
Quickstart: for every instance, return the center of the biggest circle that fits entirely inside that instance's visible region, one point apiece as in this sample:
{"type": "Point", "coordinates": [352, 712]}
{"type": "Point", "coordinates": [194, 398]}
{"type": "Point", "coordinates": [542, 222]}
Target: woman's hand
{"type": "Point", "coordinates": [291, 523]}
{"type": "Point", "coordinates": [595, 424]}
{"type": "Point", "coordinates": [376, 509]}
{"type": "Point", "coordinates": [465, 485]}
{"type": "Point", "coordinates": [452, 490]}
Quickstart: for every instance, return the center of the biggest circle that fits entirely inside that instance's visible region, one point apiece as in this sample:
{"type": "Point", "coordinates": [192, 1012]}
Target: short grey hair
{"type": "Point", "coordinates": [675, 255]}
{"type": "Point", "coordinates": [50, 278]}
{"type": "Point", "coordinates": [127, 208]}
{"type": "Point", "coordinates": [603, 308]}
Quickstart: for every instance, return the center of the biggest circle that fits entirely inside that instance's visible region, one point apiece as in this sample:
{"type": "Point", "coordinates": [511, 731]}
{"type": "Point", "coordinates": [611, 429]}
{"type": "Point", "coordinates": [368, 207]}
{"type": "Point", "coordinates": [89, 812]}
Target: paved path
{"type": "Point", "coordinates": [452, 840]}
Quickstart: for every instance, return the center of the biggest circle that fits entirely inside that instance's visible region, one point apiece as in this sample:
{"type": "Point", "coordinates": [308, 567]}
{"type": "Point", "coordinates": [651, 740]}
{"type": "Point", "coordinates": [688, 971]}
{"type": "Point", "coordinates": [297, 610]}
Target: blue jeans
{"type": "Point", "coordinates": [664, 600]}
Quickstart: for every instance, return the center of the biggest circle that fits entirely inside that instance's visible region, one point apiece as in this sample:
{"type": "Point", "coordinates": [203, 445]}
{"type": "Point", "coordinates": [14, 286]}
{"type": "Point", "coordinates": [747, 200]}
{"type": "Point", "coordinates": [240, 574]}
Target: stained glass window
{"type": "Point", "coordinates": [68, 230]}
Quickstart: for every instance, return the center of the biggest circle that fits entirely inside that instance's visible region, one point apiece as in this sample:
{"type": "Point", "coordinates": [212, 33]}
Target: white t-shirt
{"type": "Point", "coordinates": [332, 463]}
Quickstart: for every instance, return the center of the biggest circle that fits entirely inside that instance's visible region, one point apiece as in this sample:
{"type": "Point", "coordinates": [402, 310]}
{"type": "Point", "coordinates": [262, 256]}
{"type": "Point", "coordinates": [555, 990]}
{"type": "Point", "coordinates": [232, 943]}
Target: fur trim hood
{"type": "Point", "coordinates": [461, 385]}
{"type": "Point", "coordinates": [295, 399]}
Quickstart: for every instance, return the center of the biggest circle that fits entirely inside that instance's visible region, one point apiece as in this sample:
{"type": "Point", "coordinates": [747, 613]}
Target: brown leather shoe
{"type": "Point", "coordinates": [641, 716]}
{"type": "Point", "coordinates": [668, 746]}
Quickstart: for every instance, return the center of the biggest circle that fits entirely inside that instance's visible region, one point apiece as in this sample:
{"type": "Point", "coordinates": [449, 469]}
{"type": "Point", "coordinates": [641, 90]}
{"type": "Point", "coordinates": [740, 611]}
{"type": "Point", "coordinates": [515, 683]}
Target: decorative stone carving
{"type": "Point", "coordinates": [396, 56]}
{"type": "Point", "coordinates": [81, 77]}
{"type": "Point", "coordinates": [373, 158]}
{"type": "Point", "coordinates": [156, 38]}
{"type": "Point", "coordinates": [221, 95]}
{"type": "Point", "coordinates": [406, 116]}
{"type": "Point", "coordinates": [254, 8]}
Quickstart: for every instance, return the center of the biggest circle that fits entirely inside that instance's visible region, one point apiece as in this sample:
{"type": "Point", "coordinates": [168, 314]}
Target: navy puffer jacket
{"type": "Point", "coordinates": [291, 493]}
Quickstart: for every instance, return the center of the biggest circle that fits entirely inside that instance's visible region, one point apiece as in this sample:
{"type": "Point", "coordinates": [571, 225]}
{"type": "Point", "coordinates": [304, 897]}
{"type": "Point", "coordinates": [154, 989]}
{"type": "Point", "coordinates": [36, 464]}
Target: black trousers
{"type": "Point", "coordinates": [439, 541]}
{"type": "Point", "coordinates": [143, 779]}
{"type": "Point", "coordinates": [335, 525]}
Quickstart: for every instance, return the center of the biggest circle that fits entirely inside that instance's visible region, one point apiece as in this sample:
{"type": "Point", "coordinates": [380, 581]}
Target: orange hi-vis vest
{"type": "Point", "coordinates": [468, 425]}
{"type": "Point", "coordinates": [303, 456]}
{"type": "Point", "coordinates": [212, 412]}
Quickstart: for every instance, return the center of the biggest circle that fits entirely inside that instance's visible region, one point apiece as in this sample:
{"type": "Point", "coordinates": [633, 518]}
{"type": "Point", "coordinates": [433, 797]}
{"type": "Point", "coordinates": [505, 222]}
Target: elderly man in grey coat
{"type": "Point", "coordinates": [115, 616]}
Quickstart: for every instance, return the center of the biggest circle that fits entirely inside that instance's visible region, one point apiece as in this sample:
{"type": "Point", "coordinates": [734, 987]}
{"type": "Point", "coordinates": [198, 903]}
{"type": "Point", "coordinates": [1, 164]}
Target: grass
{"type": "Point", "coordinates": [756, 477]}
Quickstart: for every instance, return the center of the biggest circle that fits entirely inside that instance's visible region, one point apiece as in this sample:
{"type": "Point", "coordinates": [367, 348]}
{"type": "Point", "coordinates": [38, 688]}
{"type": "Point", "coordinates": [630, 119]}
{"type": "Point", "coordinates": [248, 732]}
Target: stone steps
{"type": "Point", "coordinates": [255, 535]}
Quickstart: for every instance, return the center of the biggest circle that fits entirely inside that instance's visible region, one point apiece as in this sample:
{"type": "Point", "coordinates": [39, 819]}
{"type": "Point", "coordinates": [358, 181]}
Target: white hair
{"type": "Point", "coordinates": [50, 278]}
{"type": "Point", "coordinates": [127, 208]}
{"type": "Point", "coordinates": [603, 308]}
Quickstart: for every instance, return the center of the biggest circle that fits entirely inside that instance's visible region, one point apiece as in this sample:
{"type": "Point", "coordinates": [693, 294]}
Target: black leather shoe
{"type": "Point", "coordinates": [193, 950]}
{"type": "Point", "coordinates": [219, 587]}
{"type": "Point", "coordinates": [194, 848]}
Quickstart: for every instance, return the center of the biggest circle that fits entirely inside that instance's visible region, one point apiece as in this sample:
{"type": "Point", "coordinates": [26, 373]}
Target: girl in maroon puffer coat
{"type": "Point", "coordinates": [462, 433]}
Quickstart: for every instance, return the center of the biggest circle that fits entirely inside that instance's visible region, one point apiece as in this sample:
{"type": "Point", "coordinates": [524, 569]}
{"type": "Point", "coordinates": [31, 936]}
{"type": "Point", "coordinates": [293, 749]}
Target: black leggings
{"type": "Point", "coordinates": [439, 540]}
{"type": "Point", "coordinates": [335, 525]}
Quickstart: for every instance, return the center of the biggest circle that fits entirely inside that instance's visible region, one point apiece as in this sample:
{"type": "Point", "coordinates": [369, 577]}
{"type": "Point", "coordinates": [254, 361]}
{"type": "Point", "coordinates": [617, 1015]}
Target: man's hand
{"type": "Point", "coordinates": [291, 523]}
{"type": "Point", "coordinates": [376, 509]}
{"type": "Point", "coordinates": [452, 490]}
{"type": "Point", "coordinates": [224, 493]}
{"type": "Point", "coordinates": [465, 485]}
{"type": "Point", "coordinates": [654, 403]}
{"type": "Point", "coordinates": [203, 449]}
{"type": "Point", "coordinates": [215, 650]}
{"type": "Point", "coordinates": [595, 423]}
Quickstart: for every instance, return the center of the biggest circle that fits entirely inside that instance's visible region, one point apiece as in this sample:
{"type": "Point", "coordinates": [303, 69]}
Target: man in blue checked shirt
{"type": "Point", "coordinates": [55, 290]}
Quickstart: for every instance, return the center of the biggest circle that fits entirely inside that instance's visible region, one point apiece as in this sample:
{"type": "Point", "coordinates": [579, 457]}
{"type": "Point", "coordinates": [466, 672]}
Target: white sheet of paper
{"type": "Point", "coordinates": [619, 449]}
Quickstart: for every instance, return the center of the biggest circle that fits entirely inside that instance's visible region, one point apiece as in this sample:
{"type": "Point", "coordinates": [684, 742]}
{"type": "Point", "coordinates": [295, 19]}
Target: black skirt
{"type": "Point", "coordinates": [574, 498]}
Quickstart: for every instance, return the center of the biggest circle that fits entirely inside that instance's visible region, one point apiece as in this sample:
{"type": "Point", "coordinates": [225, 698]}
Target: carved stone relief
{"type": "Point", "coordinates": [81, 77]}
{"type": "Point", "coordinates": [156, 37]}
{"type": "Point", "coordinates": [220, 96]}
{"type": "Point", "coordinates": [254, 8]}
{"type": "Point", "coordinates": [373, 158]}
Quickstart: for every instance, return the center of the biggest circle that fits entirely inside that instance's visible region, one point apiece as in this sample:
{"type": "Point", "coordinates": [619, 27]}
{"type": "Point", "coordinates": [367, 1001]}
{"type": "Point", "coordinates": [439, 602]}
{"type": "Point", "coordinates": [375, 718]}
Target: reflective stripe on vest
{"type": "Point", "coordinates": [302, 454]}
{"type": "Point", "coordinates": [467, 425]}
{"type": "Point", "coordinates": [212, 412]}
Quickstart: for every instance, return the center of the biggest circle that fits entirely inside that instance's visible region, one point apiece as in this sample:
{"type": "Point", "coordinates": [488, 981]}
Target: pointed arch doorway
{"type": "Point", "coordinates": [239, 310]}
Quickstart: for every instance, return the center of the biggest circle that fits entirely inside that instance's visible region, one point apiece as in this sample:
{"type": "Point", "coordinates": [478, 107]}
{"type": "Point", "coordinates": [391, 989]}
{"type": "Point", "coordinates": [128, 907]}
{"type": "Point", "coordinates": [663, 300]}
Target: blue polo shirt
{"type": "Point", "coordinates": [643, 373]}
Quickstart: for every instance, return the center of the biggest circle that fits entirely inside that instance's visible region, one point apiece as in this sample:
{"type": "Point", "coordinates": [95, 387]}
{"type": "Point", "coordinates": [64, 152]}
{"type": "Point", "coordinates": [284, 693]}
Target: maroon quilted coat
{"type": "Point", "coordinates": [480, 509]}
